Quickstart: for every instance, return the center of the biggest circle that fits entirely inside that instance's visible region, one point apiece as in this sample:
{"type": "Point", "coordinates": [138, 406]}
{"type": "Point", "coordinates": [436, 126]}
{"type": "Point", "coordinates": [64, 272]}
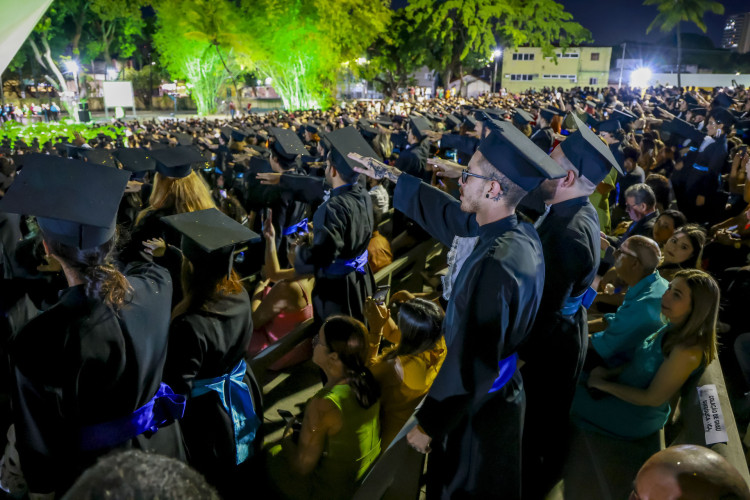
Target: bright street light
{"type": "Point", "coordinates": [71, 67]}
{"type": "Point", "coordinates": [640, 77]}
{"type": "Point", "coordinates": [496, 53]}
{"type": "Point", "coordinates": [361, 61]}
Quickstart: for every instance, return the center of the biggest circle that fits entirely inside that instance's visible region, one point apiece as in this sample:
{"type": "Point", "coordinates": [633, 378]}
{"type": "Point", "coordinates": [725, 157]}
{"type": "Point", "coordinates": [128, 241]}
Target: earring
{"type": "Point", "coordinates": [487, 195]}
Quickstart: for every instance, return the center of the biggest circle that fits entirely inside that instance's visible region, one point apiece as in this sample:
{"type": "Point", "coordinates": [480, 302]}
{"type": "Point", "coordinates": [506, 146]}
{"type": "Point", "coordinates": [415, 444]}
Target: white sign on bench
{"type": "Point", "coordinates": [713, 417]}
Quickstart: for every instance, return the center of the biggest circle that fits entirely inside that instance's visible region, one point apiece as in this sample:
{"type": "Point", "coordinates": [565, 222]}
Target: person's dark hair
{"type": "Point", "coordinates": [619, 134]}
{"type": "Point", "coordinates": [285, 163]}
{"type": "Point", "coordinates": [101, 278]}
{"type": "Point", "coordinates": [347, 337]}
{"type": "Point", "coordinates": [202, 283]}
{"type": "Point", "coordinates": [678, 217]}
{"type": "Point", "coordinates": [629, 152]}
{"type": "Point", "coordinates": [512, 192]}
{"type": "Point", "coordinates": [420, 323]}
{"type": "Point", "coordinates": [661, 188]}
{"type": "Point", "coordinates": [232, 207]}
{"type": "Point", "coordinates": [137, 475]}
{"type": "Point", "coordinates": [642, 193]}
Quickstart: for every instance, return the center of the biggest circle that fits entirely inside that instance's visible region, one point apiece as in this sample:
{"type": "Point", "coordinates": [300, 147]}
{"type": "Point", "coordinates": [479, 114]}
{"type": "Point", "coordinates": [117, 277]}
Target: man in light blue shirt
{"type": "Point", "coordinates": [615, 337]}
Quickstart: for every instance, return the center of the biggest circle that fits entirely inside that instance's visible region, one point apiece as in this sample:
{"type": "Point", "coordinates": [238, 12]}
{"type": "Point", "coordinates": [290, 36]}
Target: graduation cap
{"type": "Point", "coordinates": [344, 141]}
{"type": "Point", "coordinates": [135, 160]}
{"type": "Point", "coordinates": [688, 98]}
{"type": "Point", "coordinates": [384, 120]}
{"type": "Point", "coordinates": [311, 127]}
{"type": "Point", "coordinates": [610, 126]}
{"type": "Point", "coordinates": [681, 128]}
{"type": "Point", "coordinates": [522, 117]}
{"type": "Point", "coordinates": [452, 121]}
{"type": "Point", "coordinates": [624, 117]}
{"type": "Point", "coordinates": [699, 111]}
{"type": "Point", "coordinates": [98, 156]}
{"type": "Point", "coordinates": [517, 157]}
{"type": "Point", "coordinates": [549, 113]}
{"type": "Point", "coordinates": [589, 153]}
{"type": "Point", "coordinates": [176, 162]}
{"type": "Point", "coordinates": [183, 139]}
{"type": "Point", "coordinates": [287, 144]}
{"type": "Point", "coordinates": [368, 131]}
{"type": "Point", "coordinates": [722, 100]}
{"type": "Point", "coordinates": [722, 115]}
{"type": "Point", "coordinates": [75, 202]}
{"type": "Point", "coordinates": [71, 151]}
{"type": "Point", "coordinates": [470, 122]}
{"type": "Point", "coordinates": [419, 126]}
{"type": "Point", "coordinates": [592, 122]}
{"type": "Point", "coordinates": [210, 239]}
{"type": "Point", "coordinates": [259, 166]}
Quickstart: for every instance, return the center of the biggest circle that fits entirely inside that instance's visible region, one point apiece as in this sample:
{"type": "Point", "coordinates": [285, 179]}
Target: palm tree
{"type": "Point", "coordinates": [673, 12]}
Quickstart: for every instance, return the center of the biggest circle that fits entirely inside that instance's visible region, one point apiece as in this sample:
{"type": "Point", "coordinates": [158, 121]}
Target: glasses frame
{"type": "Point", "coordinates": [465, 174]}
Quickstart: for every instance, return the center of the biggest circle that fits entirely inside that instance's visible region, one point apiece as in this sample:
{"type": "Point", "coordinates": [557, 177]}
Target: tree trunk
{"type": "Point", "coordinates": [679, 56]}
{"type": "Point", "coordinates": [231, 75]}
{"type": "Point", "coordinates": [446, 77]}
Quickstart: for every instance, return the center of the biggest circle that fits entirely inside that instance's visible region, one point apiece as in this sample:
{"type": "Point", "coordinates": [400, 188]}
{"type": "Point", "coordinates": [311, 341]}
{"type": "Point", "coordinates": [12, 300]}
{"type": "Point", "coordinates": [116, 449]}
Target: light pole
{"type": "Point", "coordinates": [495, 56]}
{"type": "Point", "coordinates": [622, 65]}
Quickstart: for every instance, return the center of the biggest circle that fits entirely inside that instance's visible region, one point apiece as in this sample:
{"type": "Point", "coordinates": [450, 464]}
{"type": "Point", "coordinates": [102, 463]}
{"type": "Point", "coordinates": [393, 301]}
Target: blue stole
{"type": "Point", "coordinates": [700, 167]}
{"type": "Point", "coordinates": [342, 267]}
{"type": "Point", "coordinates": [573, 303]}
{"type": "Point", "coordinates": [506, 368]}
{"type": "Point", "coordinates": [235, 397]}
{"type": "Point", "coordinates": [300, 227]}
{"type": "Point", "coordinates": [164, 408]}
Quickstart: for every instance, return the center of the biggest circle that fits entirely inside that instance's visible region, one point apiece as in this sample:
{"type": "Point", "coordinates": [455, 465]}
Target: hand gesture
{"type": "Point", "coordinates": [419, 440]}
{"type": "Point", "coordinates": [374, 168]}
{"type": "Point", "coordinates": [269, 233]}
{"type": "Point", "coordinates": [155, 247]}
{"type": "Point", "coordinates": [445, 168]}
{"type": "Point", "coordinates": [402, 296]}
{"type": "Point", "coordinates": [133, 187]}
{"type": "Point", "coordinates": [604, 242]}
{"type": "Point", "coordinates": [269, 178]}
{"type": "Point", "coordinates": [376, 314]}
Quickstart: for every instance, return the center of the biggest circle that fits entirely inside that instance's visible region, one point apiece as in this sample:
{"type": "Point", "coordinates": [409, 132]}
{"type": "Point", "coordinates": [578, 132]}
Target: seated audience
{"type": "Point", "coordinates": [340, 435]}
{"type": "Point", "coordinates": [631, 401]}
{"type": "Point", "coordinates": [683, 250]}
{"type": "Point", "coordinates": [406, 369]}
{"type": "Point", "coordinates": [615, 336]}
{"type": "Point", "coordinates": [665, 224]}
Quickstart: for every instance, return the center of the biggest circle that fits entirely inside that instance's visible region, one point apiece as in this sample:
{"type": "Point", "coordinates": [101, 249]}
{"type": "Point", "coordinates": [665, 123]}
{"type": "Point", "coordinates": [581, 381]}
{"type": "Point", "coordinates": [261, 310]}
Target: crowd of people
{"type": "Point", "coordinates": [596, 251]}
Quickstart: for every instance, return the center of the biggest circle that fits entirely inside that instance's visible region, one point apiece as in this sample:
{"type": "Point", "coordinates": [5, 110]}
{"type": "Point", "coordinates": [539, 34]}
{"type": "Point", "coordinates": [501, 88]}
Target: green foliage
{"type": "Point", "coordinates": [54, 131]}
{"type": "Point", "coordinates": [673, 12]}
{"type": "Point", "coordinates": [461, 34]}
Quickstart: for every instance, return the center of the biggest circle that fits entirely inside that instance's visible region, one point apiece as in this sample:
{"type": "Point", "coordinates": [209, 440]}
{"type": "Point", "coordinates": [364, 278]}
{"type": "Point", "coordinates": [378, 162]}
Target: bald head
{"type": "Point", "coordinates": [689, 472]}
{"type": "Point", "coordinates": [647, 250]}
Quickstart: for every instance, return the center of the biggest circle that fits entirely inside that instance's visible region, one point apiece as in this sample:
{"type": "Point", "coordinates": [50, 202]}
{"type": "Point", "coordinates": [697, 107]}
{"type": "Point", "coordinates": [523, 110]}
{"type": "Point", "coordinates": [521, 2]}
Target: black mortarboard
{"type": "Point", "coordinates": [517, 157]}
{"type": "Point", "coordinates": [549, 113]}
{"type": "Point", "coordinates": [610, 126]}
{"type": "Point", "coordinates": [344, 141]}
{"type": "Point", "coordinates": [624, 117]}
{"type": "Point", "coordinates": [176, 162]}
{"type": "Point", "coordinates": [690, 99]}
{"type": "Point", "coordinates": [210, 239]}
{"type": "Point", "coordinates": [71, 151]}
{"type": "Point", "coordinates": [722, 115]}
{"type": "Point", "coordinates": [135, 160]}
{"type": "Point", "coordinates": [470, 122]}
{"type": "Point", "coordinates": [75, 202]}
{"type": "Point", "coordinates": [287, 144]}
{"type": "Point", "coordinates": [592, 122]}
{"type": "Point", "coordinates": [699, 111]}
{"type": "Point", "coordinates": [98, 156]}
{"type": "Point", "coordinates": [722, 100]}
{"type": "Point", "coordinates": [589, 153]}
{"type": "Point", "coordinates": [419, 126]}
{"type": "Point", "coordinates": [311, 127]}
{"type": "Point", "coordinates": [452, 121]}
{"type": "Point", "coordinates": [367, 131]}
{"type": "Point", "coordinates": [259, 166]}
{"type": "Point", "coordinates": [384, 120]}
{"type": "Point", "coordinates": [183, 139]}
{"type": "Point", "coordinates": [681, 128]}
{"type": "Point", "coordinates": [522, 117]}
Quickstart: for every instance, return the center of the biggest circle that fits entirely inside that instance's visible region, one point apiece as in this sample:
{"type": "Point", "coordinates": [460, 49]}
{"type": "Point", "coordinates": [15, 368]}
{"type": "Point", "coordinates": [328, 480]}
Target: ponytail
{"type": "Point", "coordinates": [346, 337]}
{"type": "Point", "coordinates": [94, 265]}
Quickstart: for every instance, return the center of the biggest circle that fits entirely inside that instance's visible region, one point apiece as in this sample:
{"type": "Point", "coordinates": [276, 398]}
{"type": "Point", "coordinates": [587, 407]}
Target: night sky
{"type": "Point", "coordinates": [614, 21]}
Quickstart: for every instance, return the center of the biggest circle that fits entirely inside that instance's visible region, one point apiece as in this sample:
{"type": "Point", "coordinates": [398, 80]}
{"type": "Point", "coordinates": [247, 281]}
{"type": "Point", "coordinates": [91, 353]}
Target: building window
{"type": "Point", "coordinates": [568, 55]}
{"type": "Point", "coordinates": [521, 77]}
{"type": "Point", "coordinates": [560, 77]}
{"type": "Point", "coordinates": [523, 57]}
{"type": "Point", "coordinates": [595, 56]}
{"type": "Point", "coordinates": [593, 81]}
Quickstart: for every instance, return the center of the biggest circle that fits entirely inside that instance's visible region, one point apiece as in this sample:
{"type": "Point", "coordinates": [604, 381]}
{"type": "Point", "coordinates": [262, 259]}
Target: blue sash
{"type": "Point", "coordinates": [164, 408]}
{"type": "Point", "coordinates": [236, 399]}
{"type": "Point", "coordinates": [300, 227]}
{"type": "Point", "coordinates": [343, 267]}
{"type": "Point", "coordinates": [693, 148]}
{"type": "Point", "coordinates": [573, 303]}
{"type": "Point", "coordinates": [505, 369]}
{"type": "Point", "coordinates": [700, 167]}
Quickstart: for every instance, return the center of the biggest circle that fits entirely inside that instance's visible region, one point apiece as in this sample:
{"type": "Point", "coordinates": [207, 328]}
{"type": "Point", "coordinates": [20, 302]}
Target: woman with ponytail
{"type": "Point", "coordinates": [340, 435]}
{"type": "Point", "coordinates": [88, 370]}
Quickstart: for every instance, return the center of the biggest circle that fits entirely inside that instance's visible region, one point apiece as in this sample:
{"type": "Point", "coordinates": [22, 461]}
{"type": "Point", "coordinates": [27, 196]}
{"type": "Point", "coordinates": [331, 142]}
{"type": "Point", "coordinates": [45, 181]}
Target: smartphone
{"type": "Point", "coordinates": [223, 193]}
{"type": "Point", "coordinates": [381, 294]}
{"type": "Point", "coordinates": [286, 415]}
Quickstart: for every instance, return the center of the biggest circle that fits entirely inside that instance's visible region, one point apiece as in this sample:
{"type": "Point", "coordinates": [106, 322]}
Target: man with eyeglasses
{"type": "Point", "coordinates": [472, 418]}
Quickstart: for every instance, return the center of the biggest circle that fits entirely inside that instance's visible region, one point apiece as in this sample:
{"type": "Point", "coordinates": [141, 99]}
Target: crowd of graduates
{"type": "Point", "coordinates": [595, 261]}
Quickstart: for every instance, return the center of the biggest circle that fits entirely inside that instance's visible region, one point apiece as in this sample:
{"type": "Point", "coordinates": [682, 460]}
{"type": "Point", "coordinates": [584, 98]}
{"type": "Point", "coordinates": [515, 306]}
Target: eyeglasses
{"type": "Point", "coordinates": [465, 176]}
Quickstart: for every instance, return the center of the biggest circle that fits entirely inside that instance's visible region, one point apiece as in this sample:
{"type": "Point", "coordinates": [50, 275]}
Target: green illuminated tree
{"type": "Point", "coordinates": [673, 12]}
{"type": "Point", "coordinates": [115, 21]}
{"type": "Point", "coordinates": [461, 34]}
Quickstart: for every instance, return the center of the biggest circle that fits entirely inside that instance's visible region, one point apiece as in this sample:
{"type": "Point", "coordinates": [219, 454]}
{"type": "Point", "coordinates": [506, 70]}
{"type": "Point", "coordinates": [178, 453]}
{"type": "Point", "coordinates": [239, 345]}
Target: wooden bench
{"type": "Point", "coordinates": [406, 272]}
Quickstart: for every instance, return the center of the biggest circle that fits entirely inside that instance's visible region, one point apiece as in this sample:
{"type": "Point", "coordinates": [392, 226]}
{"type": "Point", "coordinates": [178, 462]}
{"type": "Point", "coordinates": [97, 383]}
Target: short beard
{"type": "Point", "coordinates": [548, 190]}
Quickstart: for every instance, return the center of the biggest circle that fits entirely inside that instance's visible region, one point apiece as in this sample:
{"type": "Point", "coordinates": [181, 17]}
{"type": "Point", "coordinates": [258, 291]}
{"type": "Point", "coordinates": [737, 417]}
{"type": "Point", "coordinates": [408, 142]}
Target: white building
{"type": "Point", "coordinates": [472, 86]}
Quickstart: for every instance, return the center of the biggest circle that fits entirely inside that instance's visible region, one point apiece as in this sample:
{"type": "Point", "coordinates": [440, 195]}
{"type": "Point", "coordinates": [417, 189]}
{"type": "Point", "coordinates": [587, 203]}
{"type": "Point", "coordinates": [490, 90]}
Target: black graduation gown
{"type": "Point", "coordinates": [543, 138]}
{"type": "Point", "coordinates": [476, 436]}
{"type": "Point", "coordinates": [703, 178]}
{"type": "Point", "coordinates": [556, 348]}
{"type": "Point", "coordinates": [82, 363]}
{"type": "Point", "coordinates": [413, 160]}
{"type": "Point", "coordinates": [465, 145]}
{"type": "Point", "coordinates": [342, 228]}
{"type": "Point", "coordinates": [206, 344]}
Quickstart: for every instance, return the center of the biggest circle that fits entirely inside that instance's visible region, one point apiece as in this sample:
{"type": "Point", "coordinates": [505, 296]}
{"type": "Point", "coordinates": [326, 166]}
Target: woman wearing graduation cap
{"type": "Point", "coordinates": [208, 337]}
{"type": "Point", "coordinates": [87, 371]}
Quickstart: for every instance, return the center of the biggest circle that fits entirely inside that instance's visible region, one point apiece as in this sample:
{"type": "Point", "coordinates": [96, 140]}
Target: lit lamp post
{"type": "Point", "coordinates": [495, 56]}
{"type": "Point", "coordinates": [361, 62]}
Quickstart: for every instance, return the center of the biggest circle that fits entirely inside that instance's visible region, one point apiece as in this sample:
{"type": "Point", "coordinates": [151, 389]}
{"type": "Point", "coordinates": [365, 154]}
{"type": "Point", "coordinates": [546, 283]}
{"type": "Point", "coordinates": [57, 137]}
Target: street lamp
{"type": "Point", "coordinates": [495, 56]}
{"type": "Point", "coordinates": [72, 67]}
